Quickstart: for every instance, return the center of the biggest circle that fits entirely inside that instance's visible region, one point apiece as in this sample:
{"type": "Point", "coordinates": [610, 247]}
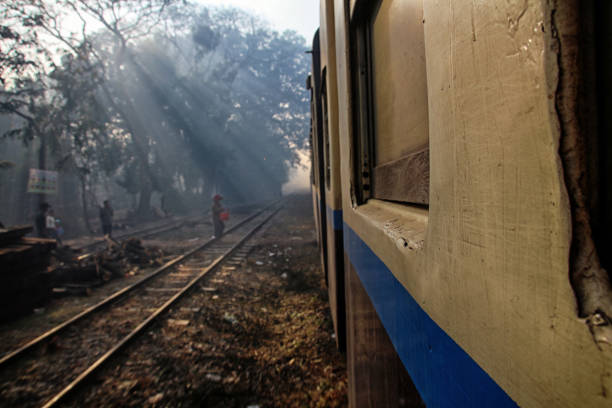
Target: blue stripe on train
{"type": "Point", "coordinates": [335, 218]}
{"type": "Point", "coordinates": [444, 374]}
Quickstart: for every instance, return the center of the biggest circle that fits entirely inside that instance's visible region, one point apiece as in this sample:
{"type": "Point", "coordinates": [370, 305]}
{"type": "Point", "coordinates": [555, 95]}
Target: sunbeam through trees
{"type": "Point", "coordinates": [148, 99]}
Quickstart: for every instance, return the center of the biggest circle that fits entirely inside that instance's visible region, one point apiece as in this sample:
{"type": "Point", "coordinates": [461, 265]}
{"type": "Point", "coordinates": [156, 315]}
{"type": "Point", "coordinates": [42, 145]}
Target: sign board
{"type": "Point", "coordinates": [42, 181]}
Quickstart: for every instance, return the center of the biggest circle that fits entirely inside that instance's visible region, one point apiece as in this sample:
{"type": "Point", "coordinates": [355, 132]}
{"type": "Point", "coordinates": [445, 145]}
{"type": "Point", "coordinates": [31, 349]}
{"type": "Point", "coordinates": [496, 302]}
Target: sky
{"type": "Point", "coordinates": [299, 15]}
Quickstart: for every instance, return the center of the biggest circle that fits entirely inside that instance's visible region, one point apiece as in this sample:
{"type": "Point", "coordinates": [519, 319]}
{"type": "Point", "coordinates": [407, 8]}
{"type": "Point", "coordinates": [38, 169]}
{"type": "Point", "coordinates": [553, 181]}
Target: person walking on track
{"type": "Point", "coordinates": [106, 218]}
{"type": "Point", "coordinates": [216, 212]}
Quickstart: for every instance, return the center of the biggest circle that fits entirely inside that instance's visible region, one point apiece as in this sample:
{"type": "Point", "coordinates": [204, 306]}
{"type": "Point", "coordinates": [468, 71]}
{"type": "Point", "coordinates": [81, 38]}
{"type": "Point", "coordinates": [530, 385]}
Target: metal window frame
{"type": "Point", "coordinates": [372, 180]}
{"type": "Point", "coordinates": [362, 19]}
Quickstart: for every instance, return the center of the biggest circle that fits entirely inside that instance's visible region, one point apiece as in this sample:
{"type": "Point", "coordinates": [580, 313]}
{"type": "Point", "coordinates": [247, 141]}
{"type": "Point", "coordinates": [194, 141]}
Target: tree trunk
{"type": "Point", "coordinates": [42, 164]}
{"type": "Point", "coordinates": [84, 203]}
{"type": "Point", "coordinates": [24, 213]}
{"type": "Point", "coordinates": [144, 203]}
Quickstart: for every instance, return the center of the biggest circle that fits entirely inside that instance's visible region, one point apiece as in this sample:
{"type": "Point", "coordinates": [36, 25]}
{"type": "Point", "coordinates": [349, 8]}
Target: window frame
{"type": "Point", "coordinates": [326, 136]}
{"type": "Point", "coordinates": [372, 180]}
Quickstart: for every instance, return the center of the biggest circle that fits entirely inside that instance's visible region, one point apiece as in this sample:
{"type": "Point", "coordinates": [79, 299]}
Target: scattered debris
{"type": "Point", "coordinates": [156, 398]}
{"type": "Point", "coordinates": [190, 309]}
{"type": "Point", "coordinates": [128, 385]}
{"type": "Point", "coordinates": [230, 318]}
{"type": "Point", "coordinates": [213, 377]}
{"type": "Point", "coordinates": [73, 289]}
{"type": "Point", "coordinates": [259, 263]}
{"type": "Point", "coordinates": [174, 322]}
{"type": "Point", "coordinates": [116, 261]}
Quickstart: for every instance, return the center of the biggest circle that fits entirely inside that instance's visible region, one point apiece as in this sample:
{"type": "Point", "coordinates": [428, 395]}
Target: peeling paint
{"type": "Point", "coordinates": [601, 329]}
{"type": "Point", "coordinates": [515, 18]}
{"type": "Point", "coordinates": [398, 233]}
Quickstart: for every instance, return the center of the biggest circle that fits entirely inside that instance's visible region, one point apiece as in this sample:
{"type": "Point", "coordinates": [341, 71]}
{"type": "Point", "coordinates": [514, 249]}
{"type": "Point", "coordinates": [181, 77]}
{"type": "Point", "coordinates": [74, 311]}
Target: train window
{"type": "Point", "coordinates": [312, 147]}
{"type": "Point", "coordinates": [326, 157]}
{"type": "Point", "coordinates": [311, 130]}
{"type": "Point", "coordinates": [391, 105]}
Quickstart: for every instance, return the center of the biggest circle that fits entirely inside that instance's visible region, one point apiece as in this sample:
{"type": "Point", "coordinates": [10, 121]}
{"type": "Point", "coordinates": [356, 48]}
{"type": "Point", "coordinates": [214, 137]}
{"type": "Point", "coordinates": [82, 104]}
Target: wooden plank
{"type": "Point", "coordinates": [403, 180]}
{"type": "Point", "coordinates": [14, 233]}
{"type": "Point", "coordinates": [14, 249]}
{"type": "Point", "coordinates": [38, 241]}
{"type": "Point", "coordinates": [26, 251]}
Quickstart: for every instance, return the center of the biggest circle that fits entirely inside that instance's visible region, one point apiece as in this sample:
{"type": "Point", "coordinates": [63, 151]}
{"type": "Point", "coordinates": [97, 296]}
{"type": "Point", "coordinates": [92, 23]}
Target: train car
{"type": "Point", "coordinates": [331, 188]}
{"type": "Point", "coordinates": [317, 175]}
{"type": "Point", "coordinates": [465, 163]}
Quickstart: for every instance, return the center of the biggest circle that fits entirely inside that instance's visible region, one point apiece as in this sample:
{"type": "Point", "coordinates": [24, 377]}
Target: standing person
{"type": "Point", "coordinates": [106, 218]}
{"type": "Point", "coordinates": [216, 211]}
{"type": "Point", "coordinates": [40, 221]}
{"type": "Point", "coordinates": [51, 227]}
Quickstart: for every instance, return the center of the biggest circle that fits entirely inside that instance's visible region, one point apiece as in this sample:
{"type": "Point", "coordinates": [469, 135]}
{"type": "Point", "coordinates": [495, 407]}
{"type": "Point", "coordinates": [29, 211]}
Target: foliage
{"type": "Point", "coordinates": [156, 95]}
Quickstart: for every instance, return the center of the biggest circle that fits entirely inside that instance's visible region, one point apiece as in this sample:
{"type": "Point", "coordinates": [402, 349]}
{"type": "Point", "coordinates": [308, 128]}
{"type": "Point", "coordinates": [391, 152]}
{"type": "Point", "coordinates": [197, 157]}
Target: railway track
{"type": "Point", "coordinates": [157, 229]}
{"type": "Point", "coordinates": [145, 232]}
{"type": "Point", "coordinates": [47, 369]}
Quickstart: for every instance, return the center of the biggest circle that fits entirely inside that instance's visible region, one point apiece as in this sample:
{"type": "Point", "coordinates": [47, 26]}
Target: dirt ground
{"type": "Point", "coordinates": [254, 334]}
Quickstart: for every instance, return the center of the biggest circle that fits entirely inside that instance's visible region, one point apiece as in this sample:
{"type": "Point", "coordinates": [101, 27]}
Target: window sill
{"type": "Point", "coordinates": [404, 225]}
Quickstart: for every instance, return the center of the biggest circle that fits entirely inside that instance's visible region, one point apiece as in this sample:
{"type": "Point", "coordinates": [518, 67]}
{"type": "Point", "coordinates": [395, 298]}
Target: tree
{"type": "Point", "coordinates": [34, 27]}
{"type": "Point", "coordinates": [250, 87]}
{"type": "Point", "coordinates": [156, 95]}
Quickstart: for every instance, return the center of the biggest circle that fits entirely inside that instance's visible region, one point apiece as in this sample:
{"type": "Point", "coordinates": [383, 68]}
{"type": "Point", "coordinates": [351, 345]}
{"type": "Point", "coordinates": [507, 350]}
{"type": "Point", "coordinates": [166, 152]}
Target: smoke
{"type": "Point", "coordinates": [299, 176]}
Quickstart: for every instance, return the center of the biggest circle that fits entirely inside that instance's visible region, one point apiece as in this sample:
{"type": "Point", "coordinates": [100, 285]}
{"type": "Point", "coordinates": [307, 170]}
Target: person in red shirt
{"type": "Point", "coordinates": [216, 211]}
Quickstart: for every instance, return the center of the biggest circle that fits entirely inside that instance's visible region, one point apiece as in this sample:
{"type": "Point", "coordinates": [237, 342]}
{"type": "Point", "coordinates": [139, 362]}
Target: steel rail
{"type": "Point", "coordinates": [145, 232]}
{"type": "Point", "coordinates": [11, 356]}
{"type": "Point", "coordinates": [157, 229]}
{"type": "Point", "coordinates": [138, 330]}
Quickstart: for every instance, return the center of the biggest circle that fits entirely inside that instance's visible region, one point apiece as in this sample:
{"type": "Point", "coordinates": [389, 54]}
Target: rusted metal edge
{"type": "Point", "coordinates": [96, 365]}
{"type": "Point", "coordinates": [11, 356]}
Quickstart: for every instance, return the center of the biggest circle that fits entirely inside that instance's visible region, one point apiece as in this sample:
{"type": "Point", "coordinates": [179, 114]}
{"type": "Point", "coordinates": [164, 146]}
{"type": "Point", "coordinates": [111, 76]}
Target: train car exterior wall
{"type": "Point", "coordinates": [316, 145]}
{"type": "Point", "coordinates": [332, 190]}
{"type": "Point", "coordinates": [473, 290]}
